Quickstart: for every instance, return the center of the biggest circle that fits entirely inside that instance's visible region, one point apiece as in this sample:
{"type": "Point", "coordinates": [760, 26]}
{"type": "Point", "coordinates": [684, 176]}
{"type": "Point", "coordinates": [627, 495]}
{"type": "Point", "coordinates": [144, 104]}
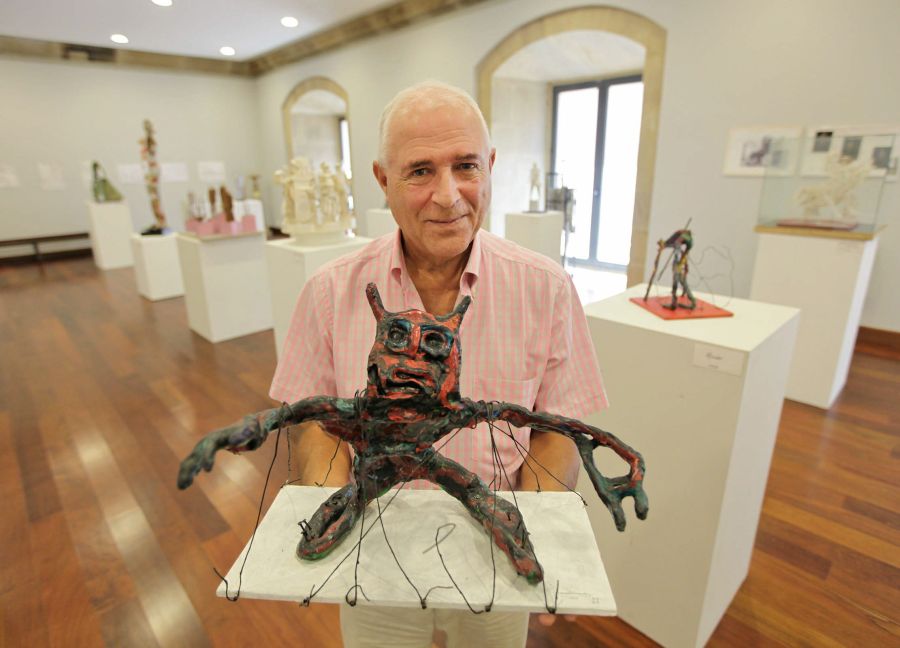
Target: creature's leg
{"type": "Point", "coordinates": [329, 524]}
{"type": "Point", "coordinates": [674, 303]}
{"type": "Point", "coordinates": [499, 518]}
{"type": "Point", "coordinates": [687, 291]}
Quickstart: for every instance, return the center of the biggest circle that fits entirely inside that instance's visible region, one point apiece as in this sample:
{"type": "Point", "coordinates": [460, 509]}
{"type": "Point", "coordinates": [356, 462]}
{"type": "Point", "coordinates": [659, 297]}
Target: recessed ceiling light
{"type": "Point", "coordinates": [226, 51]}
{"type": "Point", "coordinates": [119, 38]}
{"type": "Point", "coordinates": [290, 21]}
{"type": "Point", "coordinates": [162, 3]}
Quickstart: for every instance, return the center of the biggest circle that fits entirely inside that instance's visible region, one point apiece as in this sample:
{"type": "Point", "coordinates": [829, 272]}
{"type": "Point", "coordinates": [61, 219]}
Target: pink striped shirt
{"type": "Point", "coordinates": [524, 339]}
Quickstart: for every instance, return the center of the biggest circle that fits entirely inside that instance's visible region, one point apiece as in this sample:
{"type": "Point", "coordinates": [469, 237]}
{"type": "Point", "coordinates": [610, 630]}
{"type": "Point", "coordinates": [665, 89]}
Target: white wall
{"type": "Point", "coordinates": [317, 138]}
{"type": "Point", "coordinates": [728, 63]}
{"type": "Point", "coordinates": [517, 103]}
{"type": "Point", "coordinates": [72, 113]}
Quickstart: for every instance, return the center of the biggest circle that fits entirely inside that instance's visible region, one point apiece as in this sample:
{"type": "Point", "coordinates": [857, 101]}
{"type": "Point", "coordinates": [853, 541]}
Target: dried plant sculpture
{"type": "Point", "coordinates": [411, 401]}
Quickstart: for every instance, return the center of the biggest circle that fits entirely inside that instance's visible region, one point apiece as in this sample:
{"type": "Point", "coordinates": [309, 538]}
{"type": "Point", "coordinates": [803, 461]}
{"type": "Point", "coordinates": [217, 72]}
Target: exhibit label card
{"type": "Point", "coordinates": [173, 172]}
{"type": "Point", "coordinates": [130, 173]}
{"type": "Point", "coordinates": [51, 175]}
{"type": "Point", "coordinates": [713, 357]}
{"type": "Point", "coordinates": [9, 179]}
{"type": "Point", "coordinates": [212, 172]}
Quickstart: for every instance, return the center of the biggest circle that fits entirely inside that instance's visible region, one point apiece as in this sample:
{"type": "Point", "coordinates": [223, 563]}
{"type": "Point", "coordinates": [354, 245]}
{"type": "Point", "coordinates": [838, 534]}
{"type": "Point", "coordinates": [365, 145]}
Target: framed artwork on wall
{"type": "Point", "coordinates": [760, 150]}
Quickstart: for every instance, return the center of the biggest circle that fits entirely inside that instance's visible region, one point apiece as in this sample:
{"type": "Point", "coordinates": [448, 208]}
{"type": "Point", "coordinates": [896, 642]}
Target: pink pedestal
{"type": "Point", "coordinates": [248, 223]}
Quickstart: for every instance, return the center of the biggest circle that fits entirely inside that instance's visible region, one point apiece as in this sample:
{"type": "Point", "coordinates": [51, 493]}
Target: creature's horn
{"type": "Point", "coordinates": [459, 311]}
{"type": "Point", "coordinates": [375, 301]}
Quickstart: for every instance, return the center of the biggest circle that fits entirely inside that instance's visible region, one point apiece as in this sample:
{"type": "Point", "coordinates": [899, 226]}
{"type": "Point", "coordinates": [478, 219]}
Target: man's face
{"type": "Point", "coordinates": [437, 180]}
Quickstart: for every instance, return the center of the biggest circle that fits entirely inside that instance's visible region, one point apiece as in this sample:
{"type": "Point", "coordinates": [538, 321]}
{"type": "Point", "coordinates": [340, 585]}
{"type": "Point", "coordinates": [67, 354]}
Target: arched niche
{"type": "Point", "coordinates": [629, 25]}
{"type": "Point", "coordinates": [316, 118]}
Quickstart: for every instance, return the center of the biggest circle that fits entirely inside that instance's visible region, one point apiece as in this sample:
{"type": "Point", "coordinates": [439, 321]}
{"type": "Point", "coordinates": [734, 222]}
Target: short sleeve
{"type": "Point", "coordinates": [572, 385]}
{"type": "Point", "coordinates": [306, 367]}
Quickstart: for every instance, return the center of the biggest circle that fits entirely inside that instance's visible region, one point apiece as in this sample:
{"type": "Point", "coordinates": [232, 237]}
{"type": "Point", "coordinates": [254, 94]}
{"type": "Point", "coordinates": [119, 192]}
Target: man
{"type": "Point", "coordinates": [524, 338]}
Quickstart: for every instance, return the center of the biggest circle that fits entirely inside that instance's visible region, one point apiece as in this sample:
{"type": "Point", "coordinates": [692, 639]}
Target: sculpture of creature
{"type": "Point", "coordinates": [227, 204]}
{"type": "Point", "coordinates": [287, 200]}
{"type": "Point", "coordinates": [103, 189]}
{"type": "Point", "coordinates": [329, 207]}
{"type": "Point", "coordinates": [255, 193]}
{"type": "Point", "coordinates": [534, 193]}
{"type": "Point", "coordinates": [411, 401]}
{"type": "Point", "coordinates": [151, 178]}
{"type": "Point", "coordinates": [680, 243]}
{"type": "Point", "coordinates": [342, 190]}
{"type": "Point", "coordinates": [836, 195]}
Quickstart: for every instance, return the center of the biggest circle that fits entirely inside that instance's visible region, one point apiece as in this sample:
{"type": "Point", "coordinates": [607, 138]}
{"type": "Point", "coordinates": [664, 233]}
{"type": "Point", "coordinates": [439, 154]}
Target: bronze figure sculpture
{"type": "Point", "coordinates": [103, 189]}
{"type": "Point", "coordinates": [411, 401]}
{"type": "Point", "coordinates": [151, 178]}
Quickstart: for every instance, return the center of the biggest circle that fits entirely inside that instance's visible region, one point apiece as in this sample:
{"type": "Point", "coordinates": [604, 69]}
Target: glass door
{"type": "Point", "coordinates": [596, 133]}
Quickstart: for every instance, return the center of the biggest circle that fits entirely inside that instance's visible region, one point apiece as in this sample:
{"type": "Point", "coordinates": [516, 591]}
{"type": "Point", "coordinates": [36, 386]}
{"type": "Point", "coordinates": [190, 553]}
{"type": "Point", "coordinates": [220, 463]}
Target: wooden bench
{"type": "Point", "coordinates": [35, 242]}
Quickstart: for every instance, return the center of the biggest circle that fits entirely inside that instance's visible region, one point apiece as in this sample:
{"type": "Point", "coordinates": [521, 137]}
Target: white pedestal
{"type": "Point", "coordinates": [827, 279]}
{"type": "Point", "coordinates": [157, 269]}
{"type": "Point", "coordinates": [701, 400]}
{"type": "Point", "coordinates": [376, 222]}
{"type": "Point", "coordinates": [226, 288]}
{"type": "Point", "coordinates": [558, 529]}
{"type": "Point", "coordinates": [251, 207]}
{"type": "Point", "coordinates": [110, 228]}
{"type": "Point", "coordinates": [290, 266]}
{"type": "Point", "coordinates": [541, 232]}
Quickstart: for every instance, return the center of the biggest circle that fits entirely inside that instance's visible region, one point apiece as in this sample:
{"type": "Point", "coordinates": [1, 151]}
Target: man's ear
{"type": "Point", "coordinates": [492, 159]}
{"type": "Point", "coordinates": [380, 176]}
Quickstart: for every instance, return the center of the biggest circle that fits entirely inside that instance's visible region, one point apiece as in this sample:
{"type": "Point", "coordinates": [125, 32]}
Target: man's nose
{"type": "Point", "coordinates": [446, 193]}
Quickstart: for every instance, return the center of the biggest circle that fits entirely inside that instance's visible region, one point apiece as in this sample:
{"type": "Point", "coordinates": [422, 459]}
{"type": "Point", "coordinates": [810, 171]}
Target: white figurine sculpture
{"type": "Point", "coordinates": [534, 193]}
{"type": "Point", "coordinates": [311, 210]}
{"type": "Point", "coordinates": [834, 200]}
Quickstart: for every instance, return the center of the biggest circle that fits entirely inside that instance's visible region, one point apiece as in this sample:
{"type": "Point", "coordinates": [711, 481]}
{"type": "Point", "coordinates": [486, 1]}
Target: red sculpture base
{"type": "Point", "coordinates": [657, 306]}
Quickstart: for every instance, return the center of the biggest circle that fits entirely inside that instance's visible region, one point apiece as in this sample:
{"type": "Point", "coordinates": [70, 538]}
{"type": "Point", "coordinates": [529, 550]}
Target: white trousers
{"type": "Point", "coordinates": [367, 626]}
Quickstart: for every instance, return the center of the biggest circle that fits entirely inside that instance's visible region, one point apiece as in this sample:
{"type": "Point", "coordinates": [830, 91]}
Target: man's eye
{"type": "Point", "coordinates": [468, 166]}
{"type": "Point", "coordinates": [418, 173]}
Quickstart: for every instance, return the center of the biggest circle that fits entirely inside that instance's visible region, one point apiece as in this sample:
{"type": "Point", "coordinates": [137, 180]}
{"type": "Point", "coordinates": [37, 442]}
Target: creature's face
{"type": "Point", "coordinates": [414, 353]}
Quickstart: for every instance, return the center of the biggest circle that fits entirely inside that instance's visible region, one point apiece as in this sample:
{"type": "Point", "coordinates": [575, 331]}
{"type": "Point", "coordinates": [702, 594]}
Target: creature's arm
{"type": "Point", "coordinates": [586, 437]}
{"type": "Point", "coordinates": [251, 432]}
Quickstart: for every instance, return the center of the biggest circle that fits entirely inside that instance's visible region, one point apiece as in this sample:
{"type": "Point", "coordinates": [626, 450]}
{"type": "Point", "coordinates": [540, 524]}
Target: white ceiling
{"type": "Point", "coordinates": [188, 27]}
{"type": "Point", "coordinates": [572, 55]}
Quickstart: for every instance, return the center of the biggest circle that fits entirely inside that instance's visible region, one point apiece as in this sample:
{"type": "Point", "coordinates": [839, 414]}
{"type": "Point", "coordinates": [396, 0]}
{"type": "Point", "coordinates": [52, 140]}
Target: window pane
{"type": "Point", "coordinates": [576, 144]}
{"type": "Point", "coordinates": [620, 153]}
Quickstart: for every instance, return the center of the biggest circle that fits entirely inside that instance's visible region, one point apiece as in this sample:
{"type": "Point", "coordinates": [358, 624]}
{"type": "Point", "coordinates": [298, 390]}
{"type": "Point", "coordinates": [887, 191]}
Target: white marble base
{"type": "Point", "coordinates": [289, 267]}
{"type": "Point", "coordinates": [827, 279]}
{"type": "Point", "coordinates": [701, 400]}
{"type": "Point", "coordinates": [541, 232]}
{"type": "Point", "coordinates": [226, 287]}
{"type": "Point", "coordinates": [157, 269]}
{"type": "Point", "coordinates": [557, 524]}
{"type": "Point", "coordinates": [110, 228]}
{"type": "Point", "coordinates": [376, 222]}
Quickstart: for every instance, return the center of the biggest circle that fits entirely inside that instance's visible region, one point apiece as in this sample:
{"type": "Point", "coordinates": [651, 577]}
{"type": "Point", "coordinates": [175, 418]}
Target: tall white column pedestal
{"type": "Point", "coordinates": [538, 231]}
{"type": "Point", "coordinates": [110, 228]}
{"type": "Point", "coordinates": [827, 279]}
{"type": "Point", "coordinates": [157, 269]}
{"type": "Point", "coordinates": [701, 400]}
{"type": "Point", "coordinates": [290, 267]}
{"type": "Point", "coordinates": [226, 287]}
{"type": "Point", "coordinates": [376, 222]}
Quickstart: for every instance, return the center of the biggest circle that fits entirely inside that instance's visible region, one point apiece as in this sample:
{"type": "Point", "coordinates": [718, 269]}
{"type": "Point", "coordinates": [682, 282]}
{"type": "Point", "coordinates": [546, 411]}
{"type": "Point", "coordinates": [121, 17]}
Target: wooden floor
{"type": "Point", "coordinates": [102, 393]}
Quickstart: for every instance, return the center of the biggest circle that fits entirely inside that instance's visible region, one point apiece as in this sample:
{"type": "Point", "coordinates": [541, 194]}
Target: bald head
{"type": "Point", "coordinates": [423, 97]}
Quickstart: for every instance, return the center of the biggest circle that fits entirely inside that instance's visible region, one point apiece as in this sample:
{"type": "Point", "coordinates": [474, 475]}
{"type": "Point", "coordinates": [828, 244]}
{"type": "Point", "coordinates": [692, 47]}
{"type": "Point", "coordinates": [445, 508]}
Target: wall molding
{"type": "Point", "coordinates": [382, 21]}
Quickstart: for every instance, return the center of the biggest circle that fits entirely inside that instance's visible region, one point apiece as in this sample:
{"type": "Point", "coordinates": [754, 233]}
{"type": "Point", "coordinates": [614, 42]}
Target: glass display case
{"type": "Point", "coordinates": [828, 183]}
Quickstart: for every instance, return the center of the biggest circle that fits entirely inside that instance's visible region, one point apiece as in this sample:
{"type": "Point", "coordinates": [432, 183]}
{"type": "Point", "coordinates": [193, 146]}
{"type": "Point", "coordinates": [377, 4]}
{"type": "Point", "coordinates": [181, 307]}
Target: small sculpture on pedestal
{"type": "Point", "coordinates": [255, 193]}
{"type": "Point", "coordinates": [227, 204]}
{"type": "Point", "coordinates": [831, 204]}
{"type": "Point", "coordinates": [314, 208]}
{"type": "Point", "coordinates": [534, 193]}
{"type": "Point", "coordinates": [103, 189]}
{"type": "Point", "coordinates": [151, 178]}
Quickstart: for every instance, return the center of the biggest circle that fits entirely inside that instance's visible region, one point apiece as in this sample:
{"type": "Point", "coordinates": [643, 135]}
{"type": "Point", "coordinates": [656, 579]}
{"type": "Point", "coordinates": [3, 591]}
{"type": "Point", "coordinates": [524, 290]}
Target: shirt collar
{"type": "Point", "coordinates": [466, 281]}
